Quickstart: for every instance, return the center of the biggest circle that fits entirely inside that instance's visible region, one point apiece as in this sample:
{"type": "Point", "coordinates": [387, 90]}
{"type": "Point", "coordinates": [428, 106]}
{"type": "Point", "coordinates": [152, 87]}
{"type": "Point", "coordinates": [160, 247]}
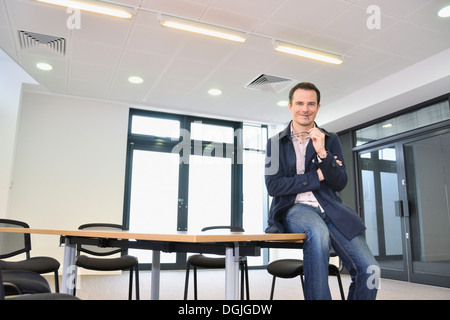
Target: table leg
{"type": "Point", "coordinates": [69, 268]}
{"type": "Point", "coordinates": [156, 268]}
{"type": "Point", "coordinates": [232, 273]}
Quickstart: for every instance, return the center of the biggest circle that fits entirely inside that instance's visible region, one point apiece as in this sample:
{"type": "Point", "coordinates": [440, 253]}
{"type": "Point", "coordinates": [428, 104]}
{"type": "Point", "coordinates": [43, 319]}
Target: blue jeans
{"type": "Point", "coordinates": [354, 254]}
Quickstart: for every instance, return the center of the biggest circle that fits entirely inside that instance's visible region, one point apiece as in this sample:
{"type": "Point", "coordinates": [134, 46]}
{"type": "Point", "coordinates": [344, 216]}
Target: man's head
{"type": "Point", "coordinates": [304, 86]}
{"type": "Point", "coordinates": [304, 103]}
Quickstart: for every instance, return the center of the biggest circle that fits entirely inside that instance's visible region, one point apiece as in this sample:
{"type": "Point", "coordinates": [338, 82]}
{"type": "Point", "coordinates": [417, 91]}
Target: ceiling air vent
{"type": "Point", "coordinates": [29, 40]}
{"type": "Point", "coordinates": [269, 83]}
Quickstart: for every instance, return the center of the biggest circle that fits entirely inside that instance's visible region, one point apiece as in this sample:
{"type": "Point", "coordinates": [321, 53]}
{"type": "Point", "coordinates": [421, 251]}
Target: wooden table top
{"type": "Point", "coordinates": [211, 236]}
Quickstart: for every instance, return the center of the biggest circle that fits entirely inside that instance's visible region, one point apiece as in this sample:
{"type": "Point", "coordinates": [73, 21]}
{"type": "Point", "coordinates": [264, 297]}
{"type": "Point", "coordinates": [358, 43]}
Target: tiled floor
{"type": "Point", "coordinates": [211, 287]}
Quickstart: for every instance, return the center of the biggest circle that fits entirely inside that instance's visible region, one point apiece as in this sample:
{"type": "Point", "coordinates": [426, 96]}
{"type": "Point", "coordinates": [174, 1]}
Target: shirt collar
{"type": "Point", "coordinates": [288, 131]}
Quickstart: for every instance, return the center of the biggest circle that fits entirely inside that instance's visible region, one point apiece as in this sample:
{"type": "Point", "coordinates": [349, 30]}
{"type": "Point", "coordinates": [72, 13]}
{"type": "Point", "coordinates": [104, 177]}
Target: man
{"type": "Point", "coordinates": [304, 172]}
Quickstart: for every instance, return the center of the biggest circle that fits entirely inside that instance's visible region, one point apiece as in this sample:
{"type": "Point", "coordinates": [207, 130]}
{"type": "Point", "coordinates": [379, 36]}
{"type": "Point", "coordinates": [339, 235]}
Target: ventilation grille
{"type": "Point", "coordinates": [269, 83]}
{"type": "Point", "coordinates": [30, 40]}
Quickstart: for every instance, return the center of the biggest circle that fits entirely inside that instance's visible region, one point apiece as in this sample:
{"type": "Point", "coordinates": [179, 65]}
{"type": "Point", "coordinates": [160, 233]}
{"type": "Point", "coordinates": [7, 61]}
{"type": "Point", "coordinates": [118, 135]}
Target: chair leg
{"type": "Point", "coordinates": [136, 269]}
{"type": "Point", "coordinates": [341, 290]}
{"type": "Point", "coordinates": [195, 283]}
{"type": "Point", "coordinates": [186, 281]}
{"type": "Point", "coordinates": [56, 282]}
{"type": "Point", "coordinates": [246, 279]}
{"type": "Point", "coordinates": [303, 285]}
{"type": "Point", "coordinates": [241, 264]}
{"type": "Point", "coordinates": [273, 287]}
{"type": "Point", "coordinates": [130, 284]}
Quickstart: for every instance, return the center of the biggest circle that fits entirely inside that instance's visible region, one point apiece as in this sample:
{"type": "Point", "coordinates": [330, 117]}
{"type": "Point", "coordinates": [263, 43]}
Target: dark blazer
{"type": "Point", "coordinates": [283, 183]}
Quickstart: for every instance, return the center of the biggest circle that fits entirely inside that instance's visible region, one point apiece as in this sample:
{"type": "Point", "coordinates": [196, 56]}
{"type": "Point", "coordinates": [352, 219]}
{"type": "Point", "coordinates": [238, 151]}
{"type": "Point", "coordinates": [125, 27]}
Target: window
{"type": "Point", "coordinates": [185, 173]}
{"type": "Point", "coordinates": [412, 120]}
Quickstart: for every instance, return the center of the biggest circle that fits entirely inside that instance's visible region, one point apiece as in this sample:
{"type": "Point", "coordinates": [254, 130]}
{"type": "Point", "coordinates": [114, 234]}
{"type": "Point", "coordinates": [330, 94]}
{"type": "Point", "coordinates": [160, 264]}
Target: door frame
{"type": "Point", "coordinates": [399, 142]}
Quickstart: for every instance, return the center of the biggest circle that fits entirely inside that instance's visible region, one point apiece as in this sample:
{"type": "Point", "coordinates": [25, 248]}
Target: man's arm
{"type": "Point", "coordinates": [278, 184]}
{"type": "Point", "coordinates": [330, 170]}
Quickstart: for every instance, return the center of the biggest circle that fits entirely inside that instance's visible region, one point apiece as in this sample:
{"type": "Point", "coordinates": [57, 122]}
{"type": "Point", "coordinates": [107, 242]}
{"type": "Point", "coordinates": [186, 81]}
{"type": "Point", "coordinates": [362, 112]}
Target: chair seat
{"type": "Point", "coordinates": [200, 260]}
{"type": "Point", "coordinates": [36, 264]}
{"type": "Point", "coordinates": [43, 296]}
{"type": "Point", "coordinates": [106, 264]}
{"type": "Point", "coordinates": [28, 282]}
{"type": "Point", "coordinates": [286, 268]}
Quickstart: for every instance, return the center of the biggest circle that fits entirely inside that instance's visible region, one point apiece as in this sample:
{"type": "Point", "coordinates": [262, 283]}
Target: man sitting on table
{"type": "Point", "coordinates": [304, 172]}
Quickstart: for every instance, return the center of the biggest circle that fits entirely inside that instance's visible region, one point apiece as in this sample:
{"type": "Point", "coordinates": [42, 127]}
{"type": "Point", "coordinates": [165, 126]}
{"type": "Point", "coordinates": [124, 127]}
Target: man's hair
{"type": "Point", "coordinates": [304, 86]}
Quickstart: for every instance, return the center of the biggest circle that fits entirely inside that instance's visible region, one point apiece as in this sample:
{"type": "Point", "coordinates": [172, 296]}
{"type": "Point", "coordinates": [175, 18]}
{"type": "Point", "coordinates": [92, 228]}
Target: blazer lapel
{"type": "Point", "coordinates": [310, 155]}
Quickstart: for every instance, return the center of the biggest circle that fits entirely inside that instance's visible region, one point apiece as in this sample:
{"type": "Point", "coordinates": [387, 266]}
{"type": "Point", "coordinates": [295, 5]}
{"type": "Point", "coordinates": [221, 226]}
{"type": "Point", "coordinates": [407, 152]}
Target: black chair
{"type": "Point", "coordinates": [124, 262]}
{"type": "Point", "coordinates": [291, 268]}
{"type": "Point", "coordinates": [27, 285]}
{"type": "Point", "coordinates": [17, 243]}
{"type": "Point", "coordinates": [201, 261]}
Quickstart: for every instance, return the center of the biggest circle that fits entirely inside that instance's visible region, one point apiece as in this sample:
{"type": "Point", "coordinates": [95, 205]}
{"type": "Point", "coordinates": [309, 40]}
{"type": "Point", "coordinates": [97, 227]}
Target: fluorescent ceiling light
{"type": "Point", "coordinates": [92, 6]}
{"type": "Point", "coordinates": [44, 66]}
{"type": "Point", "coordinates": [202, 28]}
{"type": "Point", "coordinates": [307, 53]}
{"type": "Point", "coordinates": [444, 12]}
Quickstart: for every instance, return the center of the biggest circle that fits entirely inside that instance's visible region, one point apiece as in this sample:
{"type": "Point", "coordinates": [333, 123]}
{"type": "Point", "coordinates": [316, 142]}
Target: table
{"type": "Point", "coordinates": [233, 245]}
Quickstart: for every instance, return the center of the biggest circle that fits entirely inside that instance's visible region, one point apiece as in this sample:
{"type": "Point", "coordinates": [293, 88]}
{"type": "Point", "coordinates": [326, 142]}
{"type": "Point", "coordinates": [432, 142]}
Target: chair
{"type": "Point", "coordinates": [27, 285]}
{"type": "Point", "coordinates": [13, 244]}
{"type": "Point", "coordinates": [291, 268]}
{"type": "Point", "coordinates": [124, 262]}
{"type": "Point", "coordinates": [201, 261]}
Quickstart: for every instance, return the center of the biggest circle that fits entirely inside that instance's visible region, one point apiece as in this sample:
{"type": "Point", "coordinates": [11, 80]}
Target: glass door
{"type": "Point", "coordinates": [380, 193]}
{"type": "Point", "coordinates": [181, 176]}
{"type": "Point", "coordinates": [405, 203]}
{"type": "Point", "coordinates": [154, 195]}
{"type": "Point", "coordinates": [427, 167]}
{"type": "Point", "coordinates": [210, 176]}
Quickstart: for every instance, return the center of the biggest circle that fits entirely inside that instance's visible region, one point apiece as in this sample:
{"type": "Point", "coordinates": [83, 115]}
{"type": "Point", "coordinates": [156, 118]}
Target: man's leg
{"type": "Point", "coordinates": [302, 218]}
{"type": "Point", "coordinates": [359, 262]}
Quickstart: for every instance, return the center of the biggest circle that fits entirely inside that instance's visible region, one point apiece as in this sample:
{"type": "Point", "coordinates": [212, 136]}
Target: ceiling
{"type": "Point", "coordinates": [405, 61]}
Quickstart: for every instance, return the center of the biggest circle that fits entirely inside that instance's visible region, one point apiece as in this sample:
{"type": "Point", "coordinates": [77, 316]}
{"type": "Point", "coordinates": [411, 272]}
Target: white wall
{"type": "Point", "coordinates": [12, 77]}
{"type": "Point", "coordinates": [69, 167]}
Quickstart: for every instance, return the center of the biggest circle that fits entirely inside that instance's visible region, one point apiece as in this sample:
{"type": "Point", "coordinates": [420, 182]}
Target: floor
{"type": "Point", "coordinates": [211, 287]}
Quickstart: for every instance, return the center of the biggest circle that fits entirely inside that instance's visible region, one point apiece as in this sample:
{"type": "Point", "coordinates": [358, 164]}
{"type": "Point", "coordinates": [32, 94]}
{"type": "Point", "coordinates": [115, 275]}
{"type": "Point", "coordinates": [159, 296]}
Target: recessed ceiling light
{"type": "Point", "coordinates": [215, 92]}
{"type": "Point", "coordinates": [283, 103]}
{"type": "Point", "coordinates": [44, 66]}
{"type": "Point", "coordinates": [444, 12]}
{"type": "Point", "coordinates": [135, 79]}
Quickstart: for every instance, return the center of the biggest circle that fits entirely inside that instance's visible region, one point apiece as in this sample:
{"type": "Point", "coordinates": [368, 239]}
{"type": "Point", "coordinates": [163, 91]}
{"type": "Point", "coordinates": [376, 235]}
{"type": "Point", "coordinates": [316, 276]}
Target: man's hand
{"type": "Point", "coordinates": [320, 174]}
{"type": "Point", "coordinates": [318, 140]}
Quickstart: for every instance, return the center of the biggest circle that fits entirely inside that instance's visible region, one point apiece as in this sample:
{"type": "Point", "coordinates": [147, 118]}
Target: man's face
{"type": "Point", "coordinates": [304, 108]}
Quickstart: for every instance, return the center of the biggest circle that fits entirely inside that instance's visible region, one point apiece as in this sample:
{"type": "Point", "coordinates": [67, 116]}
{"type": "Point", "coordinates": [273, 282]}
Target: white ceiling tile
{"type": "Point", "coordinates": [401, 38]}
{"type": "Point", "coordinates": [308, 15]}
{"type": "Point", "coordinates": [91, 52]}
{"type": "Point", "coordinates": [178, 68]}
{"type": "Point", "coordinates": [351, 26]}
{"type": "Point", "coordinates": [397, 8]}
{"type": "Point", "coordinates": [102, 29]}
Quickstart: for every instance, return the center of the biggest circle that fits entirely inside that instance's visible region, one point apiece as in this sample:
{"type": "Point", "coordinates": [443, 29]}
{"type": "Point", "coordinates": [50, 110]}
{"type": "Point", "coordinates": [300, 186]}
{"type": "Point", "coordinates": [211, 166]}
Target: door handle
{"type": "Point", "coordinates": [399, 209]}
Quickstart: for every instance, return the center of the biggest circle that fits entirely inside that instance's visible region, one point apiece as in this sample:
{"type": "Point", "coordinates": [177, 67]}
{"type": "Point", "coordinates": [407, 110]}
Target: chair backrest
{"type": "Point", "coordinates": [232, 228]}
{"type": "Point", "coordinates": [94, 249]}
{"type": "Point", "coordinates": [12, 244]}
